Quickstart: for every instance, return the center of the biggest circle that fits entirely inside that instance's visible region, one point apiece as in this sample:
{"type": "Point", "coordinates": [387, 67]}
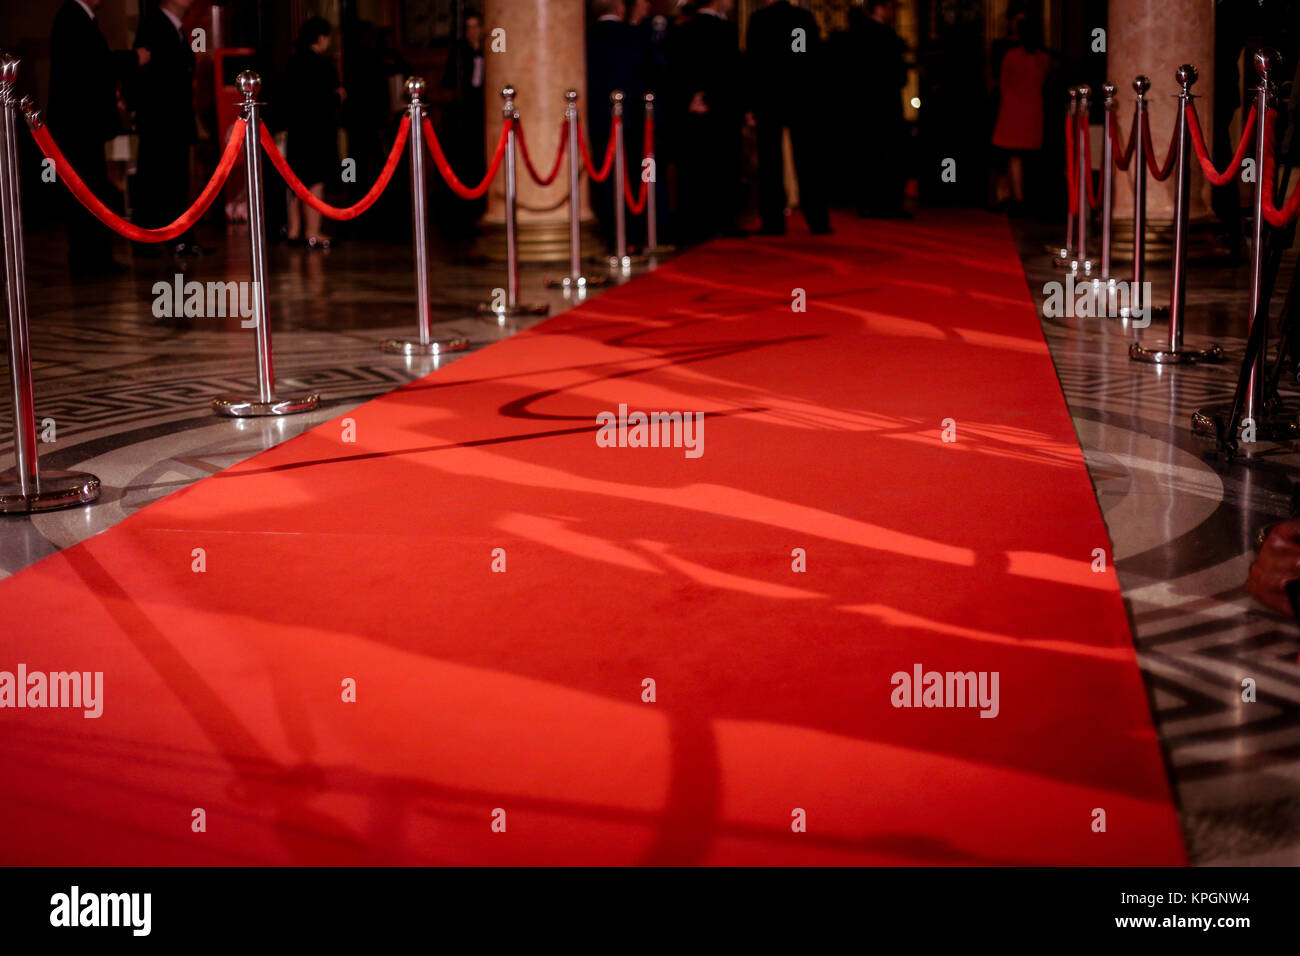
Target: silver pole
{"type": "Point", "coordinates": [419, 216]}
{"type": "Point", "coordinates": [1186, 76]}
{"type": "Point", "coordinates": [1254, 395]}
{"type": "Point", "coordinates": [575, 280]}
{"type": "Point", "coordinates": [620, 259]}
{"type": "Point", "coordinates": [20, 357]}
{"type": "Point", "coordinates": [1064, 256]}
{"type": "Point", "coordinates": [266, 402]}
{"type": "Point", "coordinates": [512, 249]}
{"type": "Point", "coordinates": [424, 344]}
{"type": "Point", "coordinates": [26, 489]}
{"type": "Point", "coordinates": [1107, 177]}
{"type": "Point", "coordinates": [575, 203]}
{"type": "Point", "coordinates": [1173, 351]}
{"type": "Point", "coordinates": [1083, 180]}
{"type": "Point", "coordinates": [250, 87]}
{"type": "Point", "coordinates": [512, 306]}
{"type": "Point", "coordinates": [1141, 84]}
{"type": "Point", "coordinates": [651, 214]}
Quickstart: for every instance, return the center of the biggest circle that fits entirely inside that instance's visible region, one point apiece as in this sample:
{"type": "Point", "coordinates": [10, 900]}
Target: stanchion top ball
{"type": "Point", "coordinates": [249, 83]}
{"type": "Point", "coordinates": [1186, 75]}
{"type": "Point", "coordinates": [415, 87]}
{"type": "Point", "coordinates": [1141, 84]}
{"type": "Point", "coordinates": [1265, 60]}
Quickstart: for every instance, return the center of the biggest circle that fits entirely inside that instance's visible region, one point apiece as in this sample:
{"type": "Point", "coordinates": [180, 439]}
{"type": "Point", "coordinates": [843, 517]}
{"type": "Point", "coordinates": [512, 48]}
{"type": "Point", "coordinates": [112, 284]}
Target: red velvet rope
{"type": "Point", "coordinates": [1094, 193]}
{"type": "Point", "coordinates": [528, 160]}
{"type": "Point", "coordinates": [637, 204]}
{"type": "Point", "coordinates": [1203, 154]}
{"type": "Point", "coordinates": [1122, 156]}
{"type": "Point", "coordinates": [115, 222]}
{"type": "Point", "coordinates": [335, 212]}
{"type": "Point", "coordinates": [444, 167]}
{"type": "Point", "coordinates": [1280, 218]}
{"type": "Point", "coordinates": [1158, 173]}
{"type": "Point", "coordinates": [1071, 154]}
{"type": "Point", "coordinates": [608, 164]}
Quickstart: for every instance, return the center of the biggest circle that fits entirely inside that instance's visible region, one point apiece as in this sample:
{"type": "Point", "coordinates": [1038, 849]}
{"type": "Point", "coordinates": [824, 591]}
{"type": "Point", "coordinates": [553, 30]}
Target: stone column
{"type": "Point", "coordinates": [1155, 39]}
{"type": "Point", "coordinates": [545, 54]}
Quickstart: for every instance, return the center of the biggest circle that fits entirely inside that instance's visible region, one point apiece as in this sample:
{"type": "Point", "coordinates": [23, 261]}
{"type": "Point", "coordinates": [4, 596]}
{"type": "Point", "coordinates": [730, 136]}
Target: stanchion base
{"type": "Point", "coordinates": [1276, 425]}
{"type": "Point", "coordinates": [1163, 355]}
{"type": "Point", "coordinates": [405, 347]}
{"type": "Point", "coordinates": [1057, 252]}
{"type": "Point", "coordinates": [58, 489]}
{"type": "Point", "coordinates": [615, 264]}
{"type": "Point", "coordinates": [576, 282]}
{"type": "Point", "coordinates": [1078, 268]}
{"type": "Point", "coordinates": [236, 406]}
{"type": "Point", "coordinates": [518, 308]}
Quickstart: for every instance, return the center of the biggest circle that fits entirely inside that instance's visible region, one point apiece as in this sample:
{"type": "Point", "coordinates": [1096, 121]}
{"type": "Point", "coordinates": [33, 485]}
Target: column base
{"type": "Point", "coordinates": [236, 406]}
{"type": "Point", "coordinates": [1162, 354]}
{"type": "Point", "coordinates": [58, 489]}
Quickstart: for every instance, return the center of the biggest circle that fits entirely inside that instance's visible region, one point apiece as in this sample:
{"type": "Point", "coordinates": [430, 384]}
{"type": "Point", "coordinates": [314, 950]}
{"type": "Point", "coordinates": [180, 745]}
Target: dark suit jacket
{"type": "Point", "coordinates": [164, 95]}
{"type": "Point", "coordinates": [781, 81]}
{"type": "Point", "coordinates": [617, 59]}
{"type": "Point", "coordinates": [704, 56]}
{"type": "Point", "coordinates": [84, 75]}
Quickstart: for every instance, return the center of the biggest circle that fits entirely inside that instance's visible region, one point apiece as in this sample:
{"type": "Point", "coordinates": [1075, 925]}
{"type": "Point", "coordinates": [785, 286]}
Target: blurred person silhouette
{"type": "Point", "coordinates": [705, 67]}
{"type": "Point", "coordinates": [881, 54]}
{"type": "Point", "coordinates": [785, 69]}
{"type": "Point", "coordinates": [165, 121]}
{"type": "Point", "coordinates": [1018, 132]}
{"type": "Point", "coordinates": [84, 114]}
{"type": "Point", "coordinates": [618, 58]}
{"type": "Point", "coordinates": [312, 125]}
{"type": "Point", "coordinates": [462, 132]}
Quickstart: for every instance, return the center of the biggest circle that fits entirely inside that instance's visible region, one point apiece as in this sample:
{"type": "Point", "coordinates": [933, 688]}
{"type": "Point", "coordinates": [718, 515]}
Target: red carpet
{"type": "Point", "coordinates": [522, 691]}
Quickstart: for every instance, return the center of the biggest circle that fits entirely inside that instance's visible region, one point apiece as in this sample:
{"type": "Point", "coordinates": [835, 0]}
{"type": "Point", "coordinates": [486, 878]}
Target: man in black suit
{"type": "Point", "coordinates": [83, 116]}
{"type": "Point", "coordinates": [704, 58]}
{"type": "Point", "coordinates": [164, 118]}
{"type": "Point", "coordinates": [785, 61]}
{"type": "Point", "coordinates": [880, 53]}
{"type": "Point", "coordinates": [617, 59]}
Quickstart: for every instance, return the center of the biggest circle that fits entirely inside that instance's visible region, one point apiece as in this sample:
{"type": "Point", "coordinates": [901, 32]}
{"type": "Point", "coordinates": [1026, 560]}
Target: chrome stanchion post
{"type": "Point", "coordinates": [1064, 255]}
{"type": "Point", "coordinates": [1107, 179]}
{"type": "Point", "coordinates": [1136, 307]}
{"type": "Point", "coordinates": [266, 402]}
{"type": "Point", "coordinates": [1173, 352]}
{"type": "Point", "coordinates": [26, 489]}
{"type": "Point", "coordinates": [1271, 423]}
{"type": "Point", "coordinates": [619, 261]}
{"type": "Point", "coordinates": [1253, 406]}
{"type": "Point", "coordinates": [575, 281]}
{"type": "Point", "coordinates": [651, 189]}
{"type": "Point", "coordinates": [425, 344]}
{"type": "Point", "coordinates": [1081, 265]}
{"type": "Point", "coordinates": [511, 304]}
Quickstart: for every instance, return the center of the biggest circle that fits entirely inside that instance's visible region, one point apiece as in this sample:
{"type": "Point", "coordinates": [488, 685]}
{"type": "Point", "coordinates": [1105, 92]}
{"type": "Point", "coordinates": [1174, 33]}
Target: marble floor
{"type": "Point", "coordinates": [129, 393]}
{"type": "Point", "coordinates": [1183, 526]}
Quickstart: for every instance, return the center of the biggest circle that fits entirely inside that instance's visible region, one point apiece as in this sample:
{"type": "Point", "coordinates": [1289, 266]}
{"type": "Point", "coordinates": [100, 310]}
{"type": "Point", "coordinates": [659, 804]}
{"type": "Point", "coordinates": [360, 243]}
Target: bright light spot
{"type": "Point", "coordinates": [916, 102]}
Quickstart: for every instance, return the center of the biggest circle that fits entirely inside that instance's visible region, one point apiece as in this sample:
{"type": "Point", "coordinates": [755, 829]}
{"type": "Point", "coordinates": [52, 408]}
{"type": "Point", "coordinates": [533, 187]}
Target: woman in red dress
{"type": "Point", "coordinates": [1018, 133]}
